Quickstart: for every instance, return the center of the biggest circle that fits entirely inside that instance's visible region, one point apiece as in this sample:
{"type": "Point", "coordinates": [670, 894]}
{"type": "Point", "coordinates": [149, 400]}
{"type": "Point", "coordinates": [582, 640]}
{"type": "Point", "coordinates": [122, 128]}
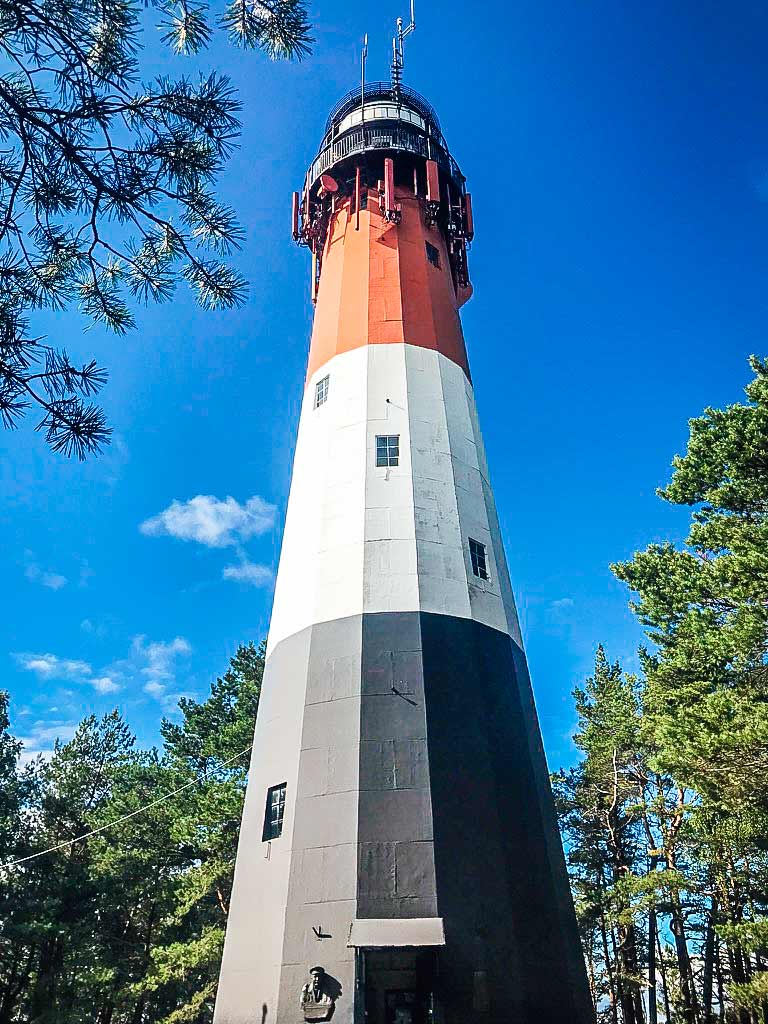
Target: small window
{"type": "Point", "coordinates": [433, 254]}
{"type": "Point", "coordinates": [388, 450]}
{"type": "Point", "coordinates": [479, 563]}
{"type": "Point", "coordinates": [274, 812]}
{"type": "Point", "coordinates": [321, 392]}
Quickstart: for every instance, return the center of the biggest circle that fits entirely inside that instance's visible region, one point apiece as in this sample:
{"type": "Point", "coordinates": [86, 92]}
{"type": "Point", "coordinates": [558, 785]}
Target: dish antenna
{"type": "Point", "coordinates": [328, 185]}
{"type": "Point", "coordinates": [397, 50]}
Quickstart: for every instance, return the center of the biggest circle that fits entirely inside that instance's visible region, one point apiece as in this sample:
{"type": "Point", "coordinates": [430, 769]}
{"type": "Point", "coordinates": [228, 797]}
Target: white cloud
{"type": "Point", "coordinates": [158, 661]}
{"type": "Point", "coordinates": [42, 736]}
{"type": "Point", "coordinates": [212, 521]}
{"type": "Point", "coordinates": [52, 580]}
{"type": "Point", "coordinates": [50, 666]}
{"type": "Point", "coordinates": [98, 629]}
{"type": "Point", "coordinates": [152, 665]}
{"type": "Point", "coordinates": [249, 572]}
{"type": "Point", "coordinates": [562, 603]}
{"type": "Point", "coordinates": [85, 574]}
{"type": "Point", "coordinates": [105, 684]}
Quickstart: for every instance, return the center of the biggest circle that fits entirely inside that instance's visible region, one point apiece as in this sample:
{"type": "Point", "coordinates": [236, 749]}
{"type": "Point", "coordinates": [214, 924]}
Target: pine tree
{"type": "Point", "coordinates": [127, 925]}
{"type": "Point", "coordinates": [598, 803]}
{"type": "Point", "coordinates": [705, 705]}
{"type": "Point", "coordinates": [705, 607]}
{"type": "Point", "coordinates": [185, 959]}
{"type": "Point", "coordinates": [14, 792]}
{"type": "Point", "coordinates": [107, 184]}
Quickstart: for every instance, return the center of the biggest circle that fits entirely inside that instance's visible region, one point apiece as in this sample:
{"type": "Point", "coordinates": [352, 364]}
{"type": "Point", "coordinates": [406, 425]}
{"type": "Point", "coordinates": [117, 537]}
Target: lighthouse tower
{"type": "Point", "coordinates": [399, 861]}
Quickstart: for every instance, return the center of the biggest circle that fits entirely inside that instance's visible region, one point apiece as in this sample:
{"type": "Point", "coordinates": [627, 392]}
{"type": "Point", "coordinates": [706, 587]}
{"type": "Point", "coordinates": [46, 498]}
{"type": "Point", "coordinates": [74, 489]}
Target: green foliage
{"type": "Point", "coordinates": [706, 608]}
{"type": "Point", "coordinates": [127, 925]}
{"type": "Point", "coordinates": [107, 183]}
{"type": "Point", "coordinates": [665, 818]}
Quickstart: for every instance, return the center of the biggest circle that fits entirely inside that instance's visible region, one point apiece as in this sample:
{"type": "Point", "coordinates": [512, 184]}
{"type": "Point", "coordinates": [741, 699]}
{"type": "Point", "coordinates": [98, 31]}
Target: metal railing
{"type": "Point", "coordinates": [372, 91]}
{"type": "Point", "coordinates": [398, 137]}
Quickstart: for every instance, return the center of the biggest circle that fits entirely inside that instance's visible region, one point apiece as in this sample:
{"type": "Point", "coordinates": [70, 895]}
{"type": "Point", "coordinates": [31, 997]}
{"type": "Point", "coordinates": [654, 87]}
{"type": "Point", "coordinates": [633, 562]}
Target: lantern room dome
{"type": "Point", "coordinates": [382, 91]}
{"type": "Point", "coordinates": [383, 118]}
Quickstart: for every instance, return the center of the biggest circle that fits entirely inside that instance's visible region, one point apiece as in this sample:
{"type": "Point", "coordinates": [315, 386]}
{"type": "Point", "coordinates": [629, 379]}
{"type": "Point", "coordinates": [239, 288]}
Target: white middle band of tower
{"type": "Point", "coordinates": [360, 538]}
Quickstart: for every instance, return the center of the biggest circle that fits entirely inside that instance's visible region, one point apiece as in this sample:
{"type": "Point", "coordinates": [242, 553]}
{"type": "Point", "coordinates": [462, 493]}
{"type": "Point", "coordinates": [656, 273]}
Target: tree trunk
{"type": "Point", "coordinates": [687, 988]}
{"type": "Point", "coordinates": [735, 908]}
{"type": "Point", "coordinates": [653, 1016]}
{"type": "Point", "coordinates": [43, 1001]}
{"type": "Point", "coordinates": [677, 924]}
{"type": "Point", "coordinates": [720, 986]}
{"type": "Point", "coordinates": [9, 992]}
{"type": "Point", "coordinates": [637, 994]}
{"type": "Point", "coordinates": [138, 1010]}
{"type": "Point", "coordinates": [590, 958]}
{"type": "Point", "coordinates": [709, 964]}
{"type": "Point", "coordinates": [620, 983]}
{"type": "Point", "coordinates": [106, 1012]}
{"type": "Point", "coordinates": [609, 974]}
{"type": "Point", "coordinates": [631, 997]}
{"type": "Point", "coordinates": [663, 967]}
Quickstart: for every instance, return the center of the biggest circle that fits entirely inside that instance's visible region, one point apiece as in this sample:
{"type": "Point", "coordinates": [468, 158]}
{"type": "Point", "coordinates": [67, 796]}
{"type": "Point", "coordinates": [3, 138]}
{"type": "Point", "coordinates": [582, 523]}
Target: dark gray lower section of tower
{"type": "Point", "coordinates": [454, 820]}
{"type": "Point", "coordinates": [512, 951]}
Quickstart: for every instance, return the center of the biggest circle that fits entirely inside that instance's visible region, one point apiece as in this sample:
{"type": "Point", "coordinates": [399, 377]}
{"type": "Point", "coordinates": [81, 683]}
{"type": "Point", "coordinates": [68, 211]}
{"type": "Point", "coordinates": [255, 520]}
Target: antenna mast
{"type": "Point", "coordinates": [397, 51]}
{"type": "Point", "coordinates": [363, 58]}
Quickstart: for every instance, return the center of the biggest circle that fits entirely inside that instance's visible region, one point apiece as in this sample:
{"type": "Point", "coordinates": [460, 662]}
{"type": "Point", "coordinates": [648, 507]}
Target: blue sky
{"type": "Point", "coordinates": [618, 162]}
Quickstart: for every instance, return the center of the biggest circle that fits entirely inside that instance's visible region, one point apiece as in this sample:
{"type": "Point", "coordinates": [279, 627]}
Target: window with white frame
{"type": "Point", "coordinates": [321, 391]}
{"type": "Point", "coordinates": [274, 812]}
{"type": "Point", "coordinates": [388, 450]}
{"type": "Point", "coordinates": [479, 561]}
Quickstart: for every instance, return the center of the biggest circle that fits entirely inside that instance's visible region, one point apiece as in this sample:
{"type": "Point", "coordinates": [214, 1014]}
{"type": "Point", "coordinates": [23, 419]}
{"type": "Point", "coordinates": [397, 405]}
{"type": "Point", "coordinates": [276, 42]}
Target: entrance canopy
{"type": "Point", "coordinates": [379, 933]}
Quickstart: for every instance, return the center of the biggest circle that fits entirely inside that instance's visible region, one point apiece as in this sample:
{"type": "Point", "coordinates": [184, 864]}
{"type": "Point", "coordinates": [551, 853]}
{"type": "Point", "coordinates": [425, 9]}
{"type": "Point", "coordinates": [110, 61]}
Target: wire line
{"type": "Point", "coordinates": [125, 817]}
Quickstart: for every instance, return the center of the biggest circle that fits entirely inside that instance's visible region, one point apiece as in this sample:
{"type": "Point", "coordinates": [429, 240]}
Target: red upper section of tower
{"type": "Point", "coordinates": [385, 212]}
{"type": "Point", "coordinates": [380, 284]}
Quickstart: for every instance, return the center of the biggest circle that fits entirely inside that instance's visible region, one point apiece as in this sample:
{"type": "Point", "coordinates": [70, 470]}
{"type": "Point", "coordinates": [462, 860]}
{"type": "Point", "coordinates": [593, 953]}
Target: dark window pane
{"type": "Point", "coordinates": [477, 557]}
{"type": "Point", "coordinates": [321, 391]}
{"type": "Point", "coordinates": [433, 254]}
{"type": "Point", "coordinates": [274, 812]}
{"type": "Point", "coordinates": [387, 449]}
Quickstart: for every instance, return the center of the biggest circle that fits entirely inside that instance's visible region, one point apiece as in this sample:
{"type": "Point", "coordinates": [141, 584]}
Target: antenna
{"type": "Point", "coordinates": [363, 58]}
{"type": "Point", "coordinates": [397, 50]}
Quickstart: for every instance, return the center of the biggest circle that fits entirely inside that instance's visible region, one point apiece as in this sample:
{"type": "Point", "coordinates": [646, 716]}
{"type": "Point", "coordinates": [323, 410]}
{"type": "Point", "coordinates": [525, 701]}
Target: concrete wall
{"type": "Point", "coordinates": [361, 539]}
{"type": "Point", "coordinates": [322, 890]}
{"type": "Point", "coordinates": [429, 800]}
{"type": "Point", "coordinates": [501, 882]}
{"type": "Point", "coordinates": [253, 949]}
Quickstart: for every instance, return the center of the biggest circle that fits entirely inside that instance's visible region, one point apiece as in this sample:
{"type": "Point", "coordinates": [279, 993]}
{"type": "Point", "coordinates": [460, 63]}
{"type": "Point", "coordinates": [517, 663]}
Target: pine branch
{"type": "Point", "coordinates": [70, 88]}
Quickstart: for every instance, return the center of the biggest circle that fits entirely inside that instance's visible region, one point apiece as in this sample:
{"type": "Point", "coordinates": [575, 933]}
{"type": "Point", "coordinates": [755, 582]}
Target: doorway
{"type": "Point", "coordinates": [399, 985]}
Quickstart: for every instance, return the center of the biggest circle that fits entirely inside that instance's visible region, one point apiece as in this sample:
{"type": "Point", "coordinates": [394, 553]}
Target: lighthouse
{"type": "Point", "coordinates": [399, 860]}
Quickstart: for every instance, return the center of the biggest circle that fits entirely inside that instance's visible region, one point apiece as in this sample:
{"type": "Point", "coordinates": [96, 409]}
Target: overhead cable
{"type": "Point", "coordinates": [125, 817]}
